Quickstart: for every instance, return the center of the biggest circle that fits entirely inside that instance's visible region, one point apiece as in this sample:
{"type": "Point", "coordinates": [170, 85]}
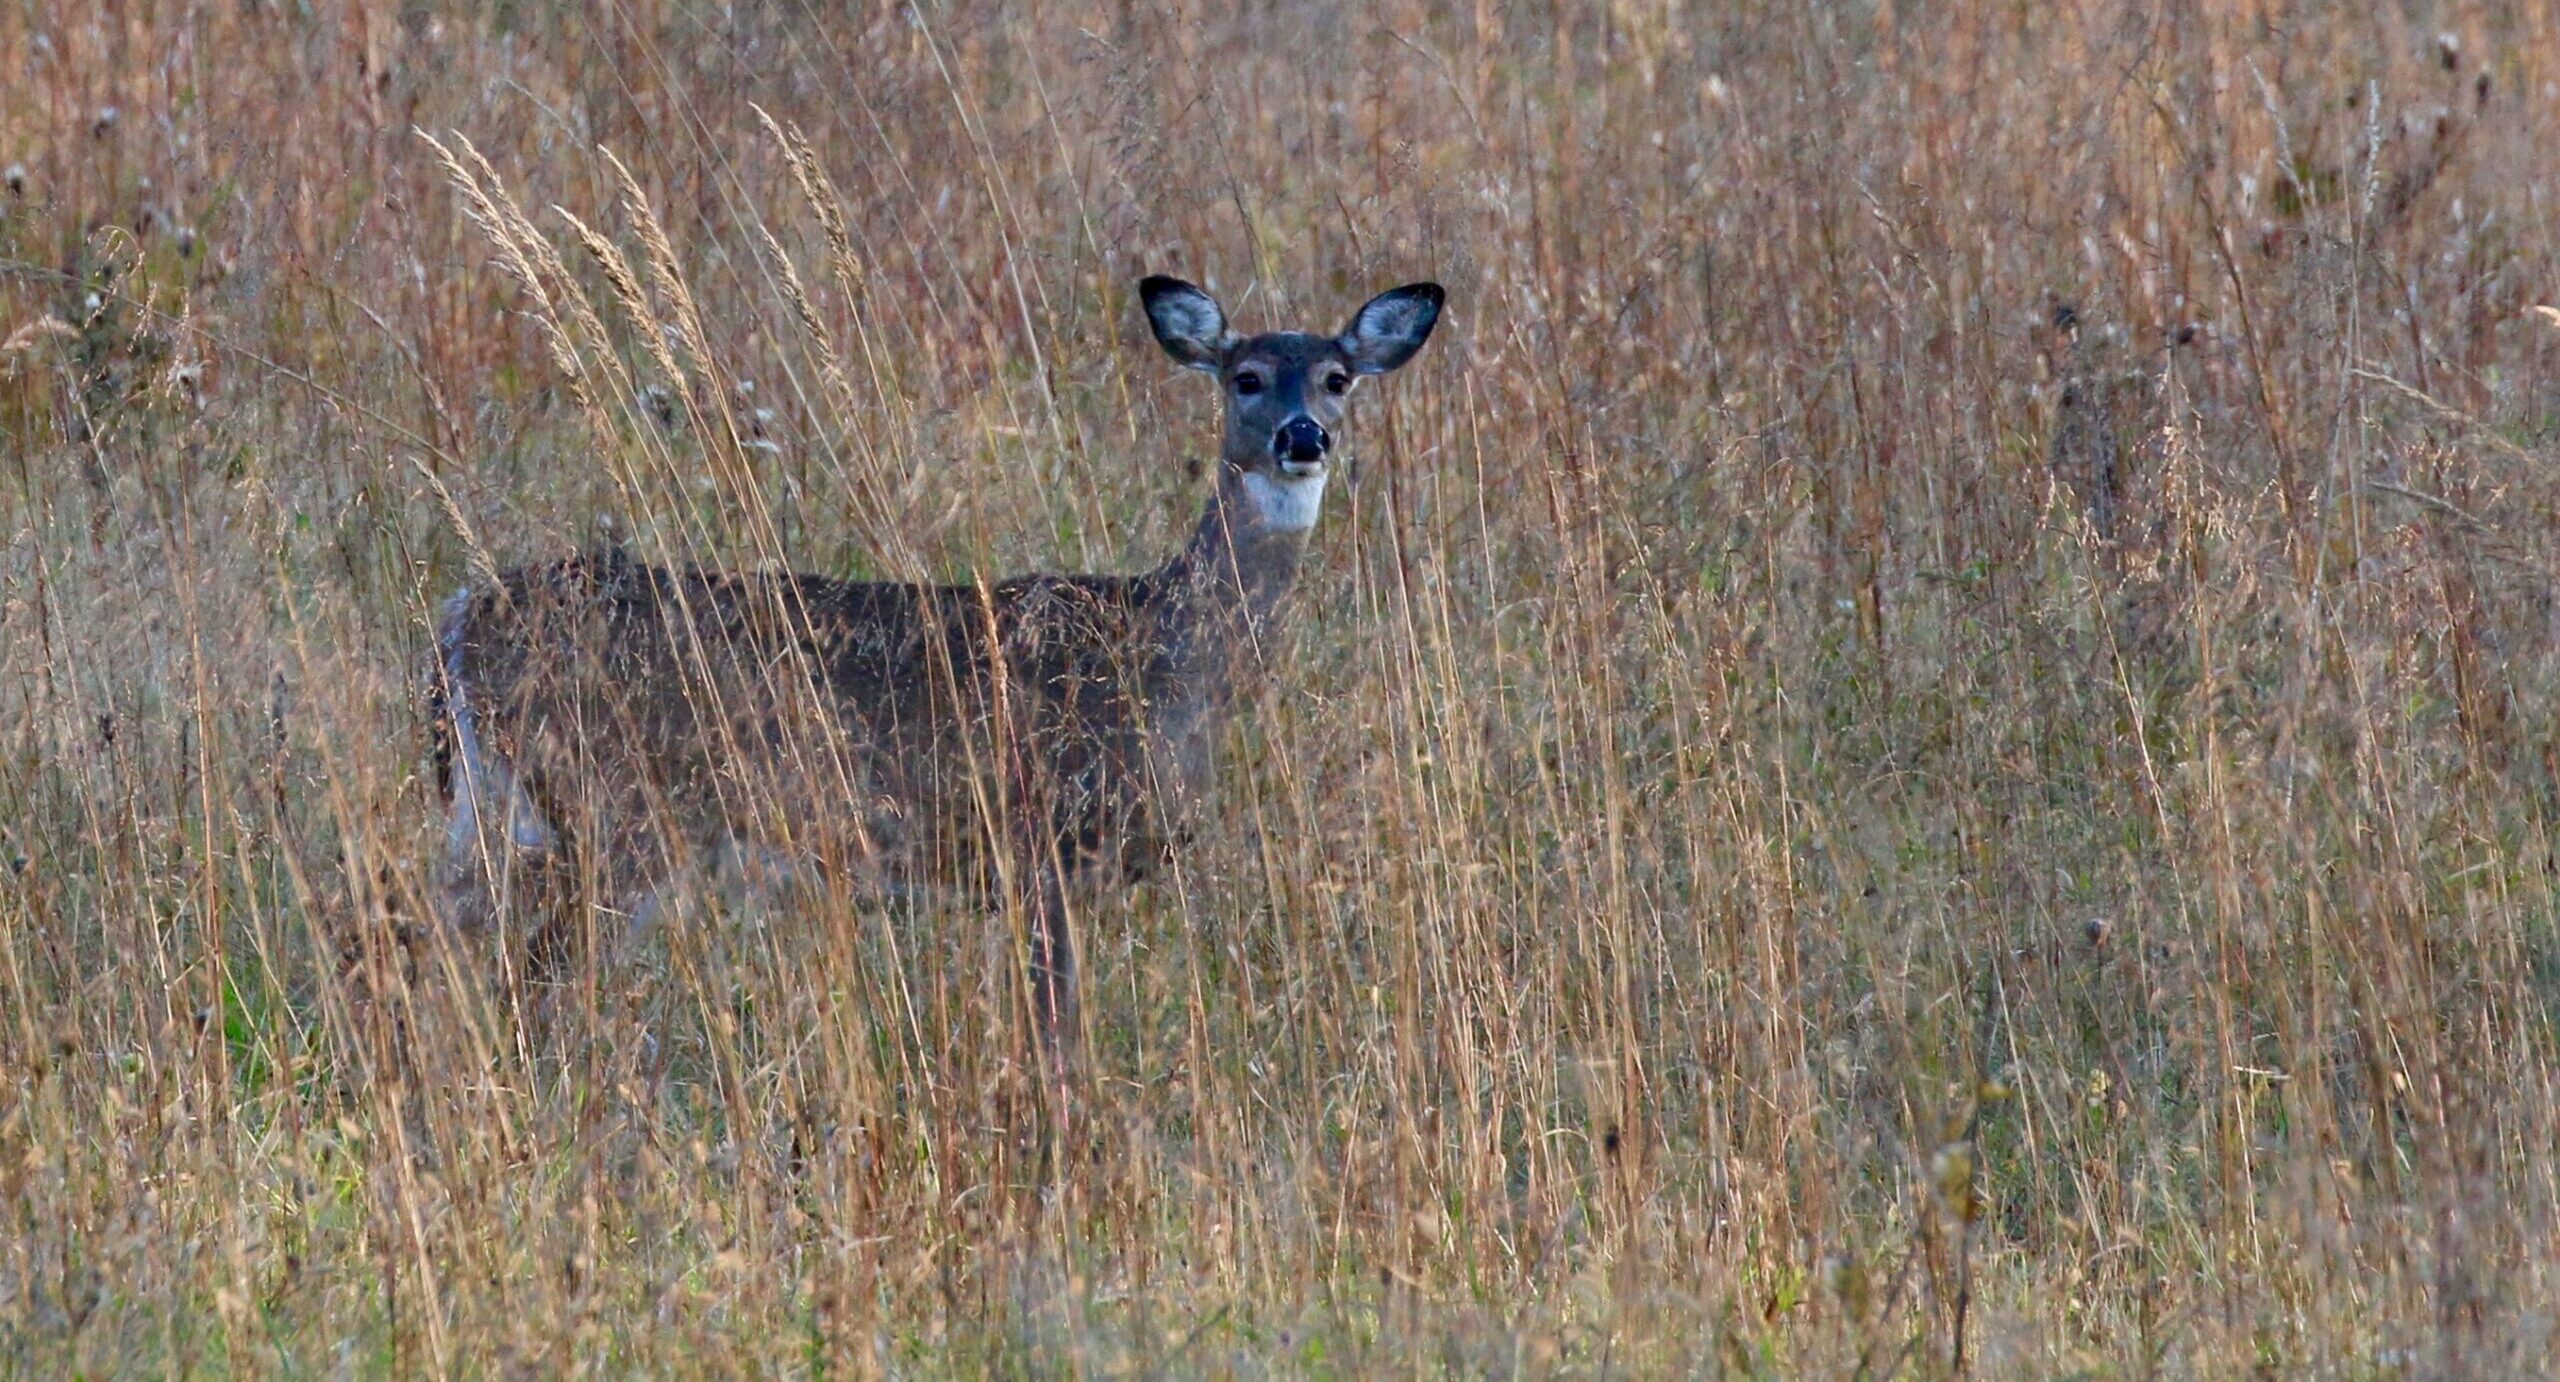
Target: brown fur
{"type": "Point", "coordinates": [627, 723]}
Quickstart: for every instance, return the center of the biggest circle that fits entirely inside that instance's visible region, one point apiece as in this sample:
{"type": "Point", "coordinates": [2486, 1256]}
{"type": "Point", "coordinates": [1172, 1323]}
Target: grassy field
{"type": "Point", "coordinates": [1923, 741]}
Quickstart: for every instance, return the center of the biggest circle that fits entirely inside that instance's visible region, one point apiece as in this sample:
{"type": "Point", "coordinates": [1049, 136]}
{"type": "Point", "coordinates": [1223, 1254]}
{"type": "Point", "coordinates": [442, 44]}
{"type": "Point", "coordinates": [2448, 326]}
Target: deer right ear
{"type": "Point", "coordinates": [1187, 322]}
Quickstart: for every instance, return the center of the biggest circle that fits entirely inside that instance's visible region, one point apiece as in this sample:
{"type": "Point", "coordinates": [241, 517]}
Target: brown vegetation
{"type": "Point", "coordinates": [1921, 742]}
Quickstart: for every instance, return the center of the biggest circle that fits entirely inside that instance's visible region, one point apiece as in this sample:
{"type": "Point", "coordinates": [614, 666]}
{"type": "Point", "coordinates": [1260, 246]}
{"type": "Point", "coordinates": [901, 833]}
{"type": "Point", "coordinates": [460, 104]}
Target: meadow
{"type": "Point", "coordinates": [1921, 743]}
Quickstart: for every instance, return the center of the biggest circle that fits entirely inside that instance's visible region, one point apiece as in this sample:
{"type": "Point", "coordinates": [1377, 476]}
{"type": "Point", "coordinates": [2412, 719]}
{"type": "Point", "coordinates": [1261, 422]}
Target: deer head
{"type": "Point", "coordinates": [1285, 391]}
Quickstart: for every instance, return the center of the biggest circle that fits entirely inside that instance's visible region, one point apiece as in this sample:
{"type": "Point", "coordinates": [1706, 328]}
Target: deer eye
{"type": "Point", "coordinates": [1248, 383]}
{"type": "Point", "coordinates": [1337, 383]}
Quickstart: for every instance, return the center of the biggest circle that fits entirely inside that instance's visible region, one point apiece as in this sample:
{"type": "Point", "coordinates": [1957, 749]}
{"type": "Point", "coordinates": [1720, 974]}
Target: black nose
{"type": "Point", "coordinates": [1301, 439]}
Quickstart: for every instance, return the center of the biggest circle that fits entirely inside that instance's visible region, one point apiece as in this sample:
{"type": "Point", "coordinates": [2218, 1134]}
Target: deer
{"type": "Point", "coordinates": [626, 724]}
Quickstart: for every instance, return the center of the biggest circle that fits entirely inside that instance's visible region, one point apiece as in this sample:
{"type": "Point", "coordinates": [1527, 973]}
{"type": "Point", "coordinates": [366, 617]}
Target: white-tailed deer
{"type": "Point", "coordinates": [607, 723]}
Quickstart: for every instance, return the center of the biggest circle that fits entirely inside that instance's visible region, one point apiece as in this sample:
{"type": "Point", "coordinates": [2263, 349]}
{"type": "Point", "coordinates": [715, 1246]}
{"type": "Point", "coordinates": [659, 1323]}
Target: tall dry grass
{"type": "Point", "coordinates": [1923, 742]}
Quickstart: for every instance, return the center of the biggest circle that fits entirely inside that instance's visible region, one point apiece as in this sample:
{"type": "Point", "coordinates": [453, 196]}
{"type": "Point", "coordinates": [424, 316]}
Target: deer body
{"type": "Point", "coordinates": [1009, 738]}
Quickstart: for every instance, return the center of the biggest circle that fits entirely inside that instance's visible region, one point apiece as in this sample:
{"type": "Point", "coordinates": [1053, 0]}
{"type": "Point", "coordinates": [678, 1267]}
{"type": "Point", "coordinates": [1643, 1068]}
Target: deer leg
{"type": "Point", "coordinates": [493, 824]}
{"type": "Point", "coordinates": [1053, 966]}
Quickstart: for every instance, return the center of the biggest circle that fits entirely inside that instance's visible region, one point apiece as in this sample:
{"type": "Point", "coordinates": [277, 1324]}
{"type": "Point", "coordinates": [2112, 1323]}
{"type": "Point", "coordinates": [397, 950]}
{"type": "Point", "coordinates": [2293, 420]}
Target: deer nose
{"type": "Point", "coordinates": [1301, 439]}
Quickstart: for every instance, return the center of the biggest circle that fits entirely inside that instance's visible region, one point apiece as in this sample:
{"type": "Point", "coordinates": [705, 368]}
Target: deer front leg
{"type": "Point", "coordinates": [1053, 967]}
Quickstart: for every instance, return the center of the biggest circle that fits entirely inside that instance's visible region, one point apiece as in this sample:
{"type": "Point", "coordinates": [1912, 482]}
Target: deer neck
{"type": "Point", "coordinates": [1225, 591]}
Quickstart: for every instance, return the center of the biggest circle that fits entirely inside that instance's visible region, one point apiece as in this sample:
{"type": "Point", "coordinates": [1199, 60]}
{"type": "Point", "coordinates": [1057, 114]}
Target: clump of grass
{"type": "Point", "coordinates": [2007, 552]}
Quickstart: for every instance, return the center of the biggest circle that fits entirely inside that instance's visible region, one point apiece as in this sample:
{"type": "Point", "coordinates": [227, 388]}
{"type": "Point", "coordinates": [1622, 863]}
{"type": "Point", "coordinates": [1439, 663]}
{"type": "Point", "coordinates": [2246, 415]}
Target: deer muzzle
{"type": "Point", "coordinates": [1302, 440]}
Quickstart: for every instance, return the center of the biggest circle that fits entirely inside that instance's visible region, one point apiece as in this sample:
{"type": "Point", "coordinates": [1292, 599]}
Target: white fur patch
{"type": "Point", "coordinates": [482, 780]}
{"type": "Point", "coordinates": [1286, 504]}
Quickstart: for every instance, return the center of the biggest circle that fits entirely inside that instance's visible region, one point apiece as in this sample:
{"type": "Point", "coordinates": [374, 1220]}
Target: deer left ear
{"type": "Point", "coordinates": [1386, 333]}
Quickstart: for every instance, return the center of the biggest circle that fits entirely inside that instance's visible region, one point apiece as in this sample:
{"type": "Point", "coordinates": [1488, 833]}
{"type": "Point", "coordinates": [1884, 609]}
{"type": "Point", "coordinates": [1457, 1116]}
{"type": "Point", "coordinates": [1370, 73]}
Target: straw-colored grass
{"type": "Point", "coordinates": [1923, 741]}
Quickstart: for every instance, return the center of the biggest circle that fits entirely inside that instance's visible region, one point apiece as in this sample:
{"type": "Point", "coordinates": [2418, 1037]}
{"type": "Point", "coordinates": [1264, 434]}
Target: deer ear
{"type": "Point", "coordinates": [1387, 332]}
{"type": "Point", "coordinates": [1187, 322]}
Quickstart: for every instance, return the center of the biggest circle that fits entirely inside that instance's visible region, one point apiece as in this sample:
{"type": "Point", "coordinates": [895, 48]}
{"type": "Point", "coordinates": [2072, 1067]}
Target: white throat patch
{"type": "Point", "coordinates": [1285, 503]}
